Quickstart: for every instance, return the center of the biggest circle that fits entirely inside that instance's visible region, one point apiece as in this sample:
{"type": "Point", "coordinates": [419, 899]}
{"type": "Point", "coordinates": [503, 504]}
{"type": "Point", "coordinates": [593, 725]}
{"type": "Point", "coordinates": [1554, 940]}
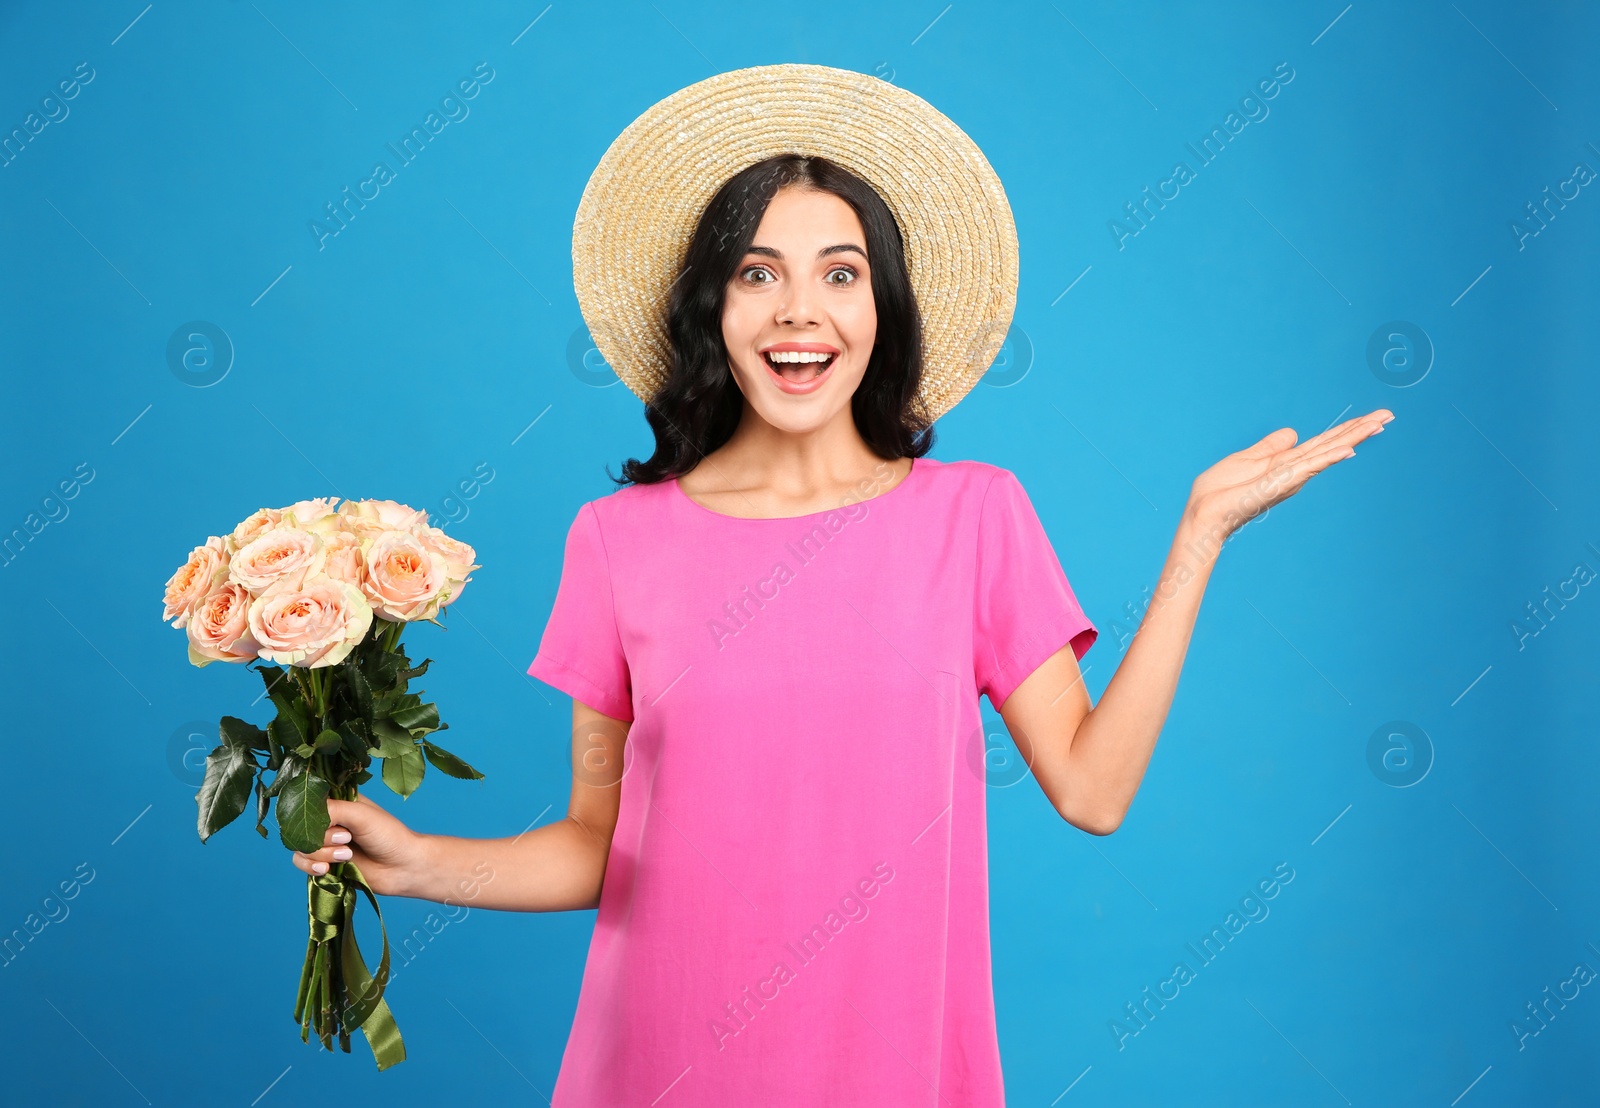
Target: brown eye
{"type": "Point", "coordinates": [846, 270]}
{"type": "Point", "coordinates": [754, 269]}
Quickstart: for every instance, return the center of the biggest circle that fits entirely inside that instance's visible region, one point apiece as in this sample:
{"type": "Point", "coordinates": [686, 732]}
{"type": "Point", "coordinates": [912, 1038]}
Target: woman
{"type": "Point", "coordinates": [776, 633]}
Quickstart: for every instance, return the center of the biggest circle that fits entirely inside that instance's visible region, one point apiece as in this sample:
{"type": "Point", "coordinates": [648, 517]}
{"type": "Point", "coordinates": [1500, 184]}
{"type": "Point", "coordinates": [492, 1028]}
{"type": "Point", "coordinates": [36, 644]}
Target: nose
{"type": "Point", "coordinates": [799, 306]}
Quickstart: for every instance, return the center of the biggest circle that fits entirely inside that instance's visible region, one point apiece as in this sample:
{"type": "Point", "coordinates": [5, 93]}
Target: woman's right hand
{"type": "Point", "coordinates": [389, 854]}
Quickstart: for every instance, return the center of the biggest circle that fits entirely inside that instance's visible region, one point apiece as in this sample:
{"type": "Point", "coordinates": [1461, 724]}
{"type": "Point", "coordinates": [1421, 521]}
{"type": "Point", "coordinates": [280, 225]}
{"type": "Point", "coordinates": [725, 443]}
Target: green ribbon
{"type": "Point", "coordinates": [344, 980]}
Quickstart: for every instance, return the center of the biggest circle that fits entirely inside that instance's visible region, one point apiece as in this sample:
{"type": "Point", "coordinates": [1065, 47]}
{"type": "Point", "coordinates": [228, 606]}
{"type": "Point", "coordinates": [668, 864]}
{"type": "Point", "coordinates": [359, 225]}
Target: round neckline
{"type": "Point", "coordinates": [904, 481]}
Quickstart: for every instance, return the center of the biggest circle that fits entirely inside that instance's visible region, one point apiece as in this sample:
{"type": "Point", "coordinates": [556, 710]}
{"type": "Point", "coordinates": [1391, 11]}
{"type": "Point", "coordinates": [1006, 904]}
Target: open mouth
{"type": "Point", "coordinates": [797, 366]}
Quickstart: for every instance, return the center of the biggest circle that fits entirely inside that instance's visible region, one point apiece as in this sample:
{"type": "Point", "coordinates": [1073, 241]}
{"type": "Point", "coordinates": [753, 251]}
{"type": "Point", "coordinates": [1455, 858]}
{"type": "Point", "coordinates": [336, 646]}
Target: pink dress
{"type": "Point", "coordinates": [795, 909]}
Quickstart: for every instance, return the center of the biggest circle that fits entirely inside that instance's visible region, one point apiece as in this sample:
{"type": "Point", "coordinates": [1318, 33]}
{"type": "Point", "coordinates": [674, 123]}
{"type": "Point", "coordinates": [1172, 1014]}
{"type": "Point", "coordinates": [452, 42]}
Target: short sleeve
{"type": "Point", "coordinates": [1025, 607]}
{"type": "Point", "coordinates": [581, 650]}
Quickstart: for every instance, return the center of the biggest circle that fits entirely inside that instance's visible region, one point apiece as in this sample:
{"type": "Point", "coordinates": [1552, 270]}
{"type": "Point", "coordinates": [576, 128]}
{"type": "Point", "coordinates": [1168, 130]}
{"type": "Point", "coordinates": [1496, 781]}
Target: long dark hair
{"type": "Point", "coordinates": [699, 406]}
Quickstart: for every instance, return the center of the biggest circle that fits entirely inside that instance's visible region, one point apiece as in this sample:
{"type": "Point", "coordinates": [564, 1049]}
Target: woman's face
{"type": "Point", "coordinates": [803, 290]}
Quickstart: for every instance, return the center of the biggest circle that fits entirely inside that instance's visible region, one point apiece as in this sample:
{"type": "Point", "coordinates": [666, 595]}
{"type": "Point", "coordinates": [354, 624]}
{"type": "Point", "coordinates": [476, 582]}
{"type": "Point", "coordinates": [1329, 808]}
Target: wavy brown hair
{"type": "Point", "coordinates": [700, 405]}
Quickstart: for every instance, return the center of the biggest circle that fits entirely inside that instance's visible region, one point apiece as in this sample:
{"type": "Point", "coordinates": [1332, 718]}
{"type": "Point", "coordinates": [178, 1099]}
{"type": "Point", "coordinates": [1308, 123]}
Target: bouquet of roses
{"type": "Point", "coordinates": [323, 595]}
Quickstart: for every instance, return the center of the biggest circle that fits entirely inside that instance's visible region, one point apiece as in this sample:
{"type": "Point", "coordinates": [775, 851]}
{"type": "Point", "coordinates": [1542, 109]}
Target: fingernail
{"type": "Point", "coordinates": [340, 837]}
{"type": "Point", "coordinates": [342, 854]}
{"type": "Point", "coordinates": [319, 867]}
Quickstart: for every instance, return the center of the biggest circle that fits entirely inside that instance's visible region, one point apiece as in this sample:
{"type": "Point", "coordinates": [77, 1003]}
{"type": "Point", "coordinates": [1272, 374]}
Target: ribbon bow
{"type": "Point", "coordinates": [336, 991]}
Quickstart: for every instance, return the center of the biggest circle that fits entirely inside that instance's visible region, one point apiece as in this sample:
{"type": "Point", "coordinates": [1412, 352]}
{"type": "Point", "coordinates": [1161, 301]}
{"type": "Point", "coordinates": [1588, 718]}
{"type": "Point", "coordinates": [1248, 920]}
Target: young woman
{"type": "Point", "coordinates": [775, 636]}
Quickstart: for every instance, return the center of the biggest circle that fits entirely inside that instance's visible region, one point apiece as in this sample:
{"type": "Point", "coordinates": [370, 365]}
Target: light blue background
{"type": "Point", "coordinates": [427, 337]}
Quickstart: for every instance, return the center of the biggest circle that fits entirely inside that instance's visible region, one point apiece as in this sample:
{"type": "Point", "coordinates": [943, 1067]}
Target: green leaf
{"type": "Point", "coordinates": [286, 733]}
{"type": "Point", "coordinates": [271, 675]}
{"type": "Point", "coordinates": [262, 801]}
{"type": "Point", "coordinates": [385, 670]}
{"type": "Point", "coordinates": [403, 774]}
{"type": "Point", "coordinates": [240, 733]}
{"type": "Point", "coordinates": [303, 812]}
{"type": "Point", "coordinates": [407, 675]}
{"type": "Point", "coordinates": [393, 740]}
{"type": "Point", "coordinates": [447, 762]}
{"type": "Point", "coordinates": [290, 699]}
{"type": "Point", "coordinates": [357, 738]}
{"type": "Point", "coordinates": [424, 717]}
{"type": "Point", "coordinates": [275, 751]}
{"type": "Point", "coordinates": [363, 777]}
{"type": "Point", "coordinates": [328, 740]}
{"type": "Point", "coordinates": [226, 788]}
{"type": "Point", "coordinates": [306, 750]}
{"type": "Point", "coordinates": [292, 766]}
{"type": "Point", "coordinates": [360, 690]}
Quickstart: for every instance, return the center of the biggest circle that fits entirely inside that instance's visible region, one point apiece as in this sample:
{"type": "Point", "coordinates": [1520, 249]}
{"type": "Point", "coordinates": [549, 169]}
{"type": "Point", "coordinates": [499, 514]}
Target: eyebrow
{"type": "Point", "coordinates": [838, 248]}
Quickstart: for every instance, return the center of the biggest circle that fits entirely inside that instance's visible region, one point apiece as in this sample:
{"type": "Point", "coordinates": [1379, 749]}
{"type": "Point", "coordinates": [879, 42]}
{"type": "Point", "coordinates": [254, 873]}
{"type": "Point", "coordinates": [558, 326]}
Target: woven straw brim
{"type": "Point", "coordinates": [644, 200]}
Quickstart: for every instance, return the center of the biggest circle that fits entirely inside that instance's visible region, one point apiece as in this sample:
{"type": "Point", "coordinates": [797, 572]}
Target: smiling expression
{"type": "Point", "coordinates": [799, 319]}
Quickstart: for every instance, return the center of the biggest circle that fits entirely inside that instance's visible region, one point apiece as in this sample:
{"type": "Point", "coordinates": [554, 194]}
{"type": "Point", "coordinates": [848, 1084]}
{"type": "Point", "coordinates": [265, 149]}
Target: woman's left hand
{"type": "Point", "coordinates": [1243, 485]}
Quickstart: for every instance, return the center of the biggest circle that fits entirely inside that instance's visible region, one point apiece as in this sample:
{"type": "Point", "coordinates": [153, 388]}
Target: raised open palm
{"type": "Point", "coordinates": [1247, 483]}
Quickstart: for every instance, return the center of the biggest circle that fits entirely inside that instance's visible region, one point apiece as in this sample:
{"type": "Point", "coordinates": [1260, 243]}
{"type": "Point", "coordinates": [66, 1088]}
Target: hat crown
{"type": "Point", "coordinates": [644, 201]}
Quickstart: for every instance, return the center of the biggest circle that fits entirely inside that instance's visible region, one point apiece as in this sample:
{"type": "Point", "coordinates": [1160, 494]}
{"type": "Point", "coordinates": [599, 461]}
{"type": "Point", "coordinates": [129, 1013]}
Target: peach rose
{"type": "Point", "coordinates": [219, 630]}
{"type": "Point", "coordinates": [370, 518]}
{"type": "Point", "coordinates": [458, 559]}
{"type": "Point", "coordinates": [206, 568]}
{"type": "Point", "coordinates": [309, 624]}
{"type": "Point", "coordinates": [344, 559]}
{"type": "Point", "coordinates": [280, 554]}
{"type": "Point", "coordinates": [260, 521]}
{"type": "Point", "coordinates": [405, 580]}
{"type": "Point", "coordinates": [306, 512]}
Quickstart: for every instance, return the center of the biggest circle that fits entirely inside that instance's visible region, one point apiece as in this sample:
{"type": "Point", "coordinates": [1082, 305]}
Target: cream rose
{"type": "Point", "coordinates": [309, 624]}
{"type": "Point", "coordinates": [282, 554]}
{"type": "Point", "coordinates": [259, 522]}
{"type": "Point", "coordinates": [306, 512]}
{"type": "Point", "coordinates": [458, 559]}
{"type": "Point", "coordinates": [206, 568]}
{"type": "Point", "coordinates": [344, 559]}
{"type": "Point", "coordinates": [370, 518]}
{"type": "Point", "coordinates": [405, 580]}
{"type": "Point", "coordinates": [219, 630]}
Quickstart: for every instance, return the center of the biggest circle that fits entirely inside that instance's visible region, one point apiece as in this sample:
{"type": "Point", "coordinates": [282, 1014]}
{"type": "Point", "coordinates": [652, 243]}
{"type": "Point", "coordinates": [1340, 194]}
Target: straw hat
{"type": "Point", "coordinates": [643, 201]}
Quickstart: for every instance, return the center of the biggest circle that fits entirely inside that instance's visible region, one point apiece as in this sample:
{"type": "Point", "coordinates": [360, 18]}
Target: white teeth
{"type": "Point", "coordinates": [797, 356]}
